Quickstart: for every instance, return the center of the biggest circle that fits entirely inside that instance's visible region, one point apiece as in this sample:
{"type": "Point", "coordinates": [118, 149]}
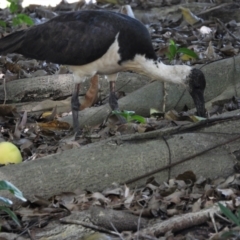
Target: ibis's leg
{"type": "Point", "coordinates": [75, 109]}
{"type": "Point", "coordinates": [113, 101]}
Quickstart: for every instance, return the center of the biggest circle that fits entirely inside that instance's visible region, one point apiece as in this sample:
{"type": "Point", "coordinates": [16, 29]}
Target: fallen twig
{"type": "Point", "coordinates": [181, 222]}
{"type": "Point", "coordinates": [230, 33]}
{"type": "Point", "coordinates": [87, 225]}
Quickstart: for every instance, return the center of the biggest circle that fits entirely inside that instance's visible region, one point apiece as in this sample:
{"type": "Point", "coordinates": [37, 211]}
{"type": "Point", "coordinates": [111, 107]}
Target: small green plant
{"type": "Point", "coordinates": [174, 49]}
{"type": "Point", "coordinates": [233, 218]}
{"type": "Point", "coordinates": [3, 24]}
{"type": "Point", "coordinates": [19, 18]}
{"type": "Point", "coordinates": [130, 116]}
{"type": "Point", "coordinates": [5, 185]}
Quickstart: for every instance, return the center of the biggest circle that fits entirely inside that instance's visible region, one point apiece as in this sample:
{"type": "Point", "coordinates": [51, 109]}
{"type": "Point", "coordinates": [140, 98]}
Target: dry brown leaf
{"type": "Point", "coordinates": [20, 125]}
{"type": "Point", "coordinates": [230, 181]}
{"type": "Point", "coordinates": [127, 128]}
{"type": "Point", "coordinates": [55, 125]}
{"type": "Point", "coordinates": [127, 191]}
{"type": "Point", "coordinates": [175, 197]}
{"type": "Point", "coordinates": [43, 147]}
{"type": "Point", "coordinates": [26, 64]}
{"type": "Point", "coordinates": [197, 205]}
{"type": "Point", "coordinates": [186, 176]}
{"type": "Point", "coordinates": [7, 110]}
{"type": "Point", "coordinates": [39, 73]}
{"type": "Point", "coordinates": [26, 144]}
{"type": "Point", "coordinates": [49, 116]}
{"type": "Point", "coordinates": [189, 17]}
{"type": "Point", "coordinates": [12, 67]}
{"type": "Point", "coordinates": [10, 76]}
{"type": "Point", "coordinates": [25, 74]}
{"type": "Point", "coordinates": [99, 196]}
{"type": "Point", "coordinates": [171, 115]}
{"type": "Point", "coordinates": [115, 191]}
{"type": "Point", "coordinates": [226, 192]}
{"type": "Point", "coordinates": [128, 200]}
{"type": "Point", "coordinates": [172, 212]}
{"type": "Point", "coordinates": [141, 128]}
{"type": "Point", "coordinates": [229, 50]}
{"type": "Point", "coordinates": [10, 236]}
{"type": "Point", "coordinates": [91, 96]}
{"type": "Point", "coordinates": [45, 115]}
{"type": "Point", "coordinates": [210, 52]}
{"type": "Point", "coordinates": [156, 203]}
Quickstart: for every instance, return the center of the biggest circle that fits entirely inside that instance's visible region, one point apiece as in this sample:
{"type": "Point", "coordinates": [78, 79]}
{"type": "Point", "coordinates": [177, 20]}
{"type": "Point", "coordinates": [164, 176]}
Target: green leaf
{"type": "Point", "coordinates": [134, 117]}
{"type": "Point", "coordinates": [171, 42]}
{"type": "Point", "coordinates": [16, 21]}
{"type": "Point", "coordinates": [25, 19]}
{"type": "Point", "coordinates": [11, 214]}
{"type": "Point", "coordinates": [130, 116]}
{"type": "Point", "coordinates": [5, 185]}
{"type": "Point", "coordinates": [187, 52]}
{"type": "Point", "coordinates": [138, 118]}
{"type": "Point", "coordinates": [228, 213]}
{"type": "Point", "coordinates": [22, 18]}
{"type": "Point", "coordinates": [238, 214]}
{"type": "Point", "coordinates": [3, 24]}
{"type": "Point", "coordinates": [13, 7]}
{"type": "Point", "coordinates": [124, 113]}
{"type": "Point", "coordinates": [6, 201]}
{"type": "Point", "coordinates": [172, 51]}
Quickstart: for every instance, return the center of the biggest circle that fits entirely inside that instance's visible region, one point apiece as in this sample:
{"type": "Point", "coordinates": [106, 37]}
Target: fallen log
{"type": "Point", "coordinates": [96, 166]}
{"type": "Point", "coordinates": [60, 86]}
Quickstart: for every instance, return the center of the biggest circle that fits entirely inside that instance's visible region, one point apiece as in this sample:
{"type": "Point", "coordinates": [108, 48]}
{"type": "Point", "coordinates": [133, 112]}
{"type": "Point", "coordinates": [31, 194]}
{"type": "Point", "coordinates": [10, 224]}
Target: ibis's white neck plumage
{"type": "Point", "coordinates": [177, 74]}
{"type": "Point", "coordinates": [110, 63]}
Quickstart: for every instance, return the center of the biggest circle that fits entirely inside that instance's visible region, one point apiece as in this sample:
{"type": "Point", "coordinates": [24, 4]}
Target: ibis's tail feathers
{"type": "Point", "coordinates": [12, 42]}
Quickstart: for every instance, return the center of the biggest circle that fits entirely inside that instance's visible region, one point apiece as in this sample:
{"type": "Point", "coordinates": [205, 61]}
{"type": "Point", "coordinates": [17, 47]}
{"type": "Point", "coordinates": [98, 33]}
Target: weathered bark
{"type": "Point", "coordinates": [55, 86]}
{"type": "Point", "coordinates": [37, 88]}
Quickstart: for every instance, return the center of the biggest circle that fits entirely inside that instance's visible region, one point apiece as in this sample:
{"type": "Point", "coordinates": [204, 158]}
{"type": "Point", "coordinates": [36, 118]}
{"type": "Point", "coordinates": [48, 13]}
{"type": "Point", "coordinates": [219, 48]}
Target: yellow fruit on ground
{"type": "Point", "coordinates": [9, 153]}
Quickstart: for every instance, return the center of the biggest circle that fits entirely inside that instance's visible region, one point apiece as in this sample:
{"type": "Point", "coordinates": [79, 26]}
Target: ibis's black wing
{"type": "Point", "coordinates": [78, 38]}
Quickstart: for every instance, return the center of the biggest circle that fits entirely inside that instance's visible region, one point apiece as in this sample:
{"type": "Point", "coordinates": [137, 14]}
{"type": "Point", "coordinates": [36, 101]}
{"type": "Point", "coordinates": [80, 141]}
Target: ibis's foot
{"type": "Point", "coordinates": [113, 102]}
{"type": "Point", "coordinates": [76, 128]}
{"type": "Point", "coordinates": [75, 108]}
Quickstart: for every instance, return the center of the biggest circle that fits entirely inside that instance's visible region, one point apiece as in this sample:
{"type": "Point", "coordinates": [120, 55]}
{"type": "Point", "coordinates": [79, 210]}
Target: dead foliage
{"type": "Point", "coordinates": [184, 203]}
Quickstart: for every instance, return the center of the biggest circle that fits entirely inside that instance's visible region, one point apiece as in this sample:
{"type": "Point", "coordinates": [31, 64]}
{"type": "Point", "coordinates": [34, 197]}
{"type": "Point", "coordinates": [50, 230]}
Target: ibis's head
{"type": "Point", "coordinates": [197, 84]}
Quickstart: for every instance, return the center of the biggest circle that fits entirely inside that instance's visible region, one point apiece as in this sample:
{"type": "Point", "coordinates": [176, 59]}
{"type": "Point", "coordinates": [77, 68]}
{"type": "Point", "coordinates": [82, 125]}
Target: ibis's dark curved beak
{"type": "Point", "coordinates": [197, 84]}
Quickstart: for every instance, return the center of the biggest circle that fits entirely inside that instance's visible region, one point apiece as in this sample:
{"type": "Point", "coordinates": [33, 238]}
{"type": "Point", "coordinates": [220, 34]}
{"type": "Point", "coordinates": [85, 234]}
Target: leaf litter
{"type": "Point", "coordinates": [119, 208]}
